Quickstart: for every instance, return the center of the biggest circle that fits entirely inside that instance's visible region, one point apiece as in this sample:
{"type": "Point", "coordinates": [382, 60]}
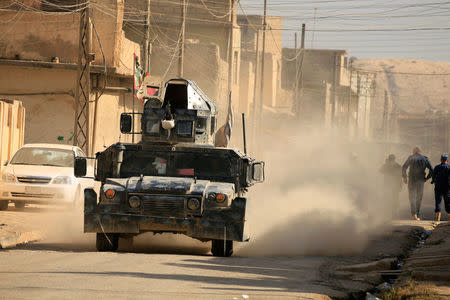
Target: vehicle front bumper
{"type": "Point", "coordinates": [224, 224]}
{"type": "Point", "coordinates": [37, 193]}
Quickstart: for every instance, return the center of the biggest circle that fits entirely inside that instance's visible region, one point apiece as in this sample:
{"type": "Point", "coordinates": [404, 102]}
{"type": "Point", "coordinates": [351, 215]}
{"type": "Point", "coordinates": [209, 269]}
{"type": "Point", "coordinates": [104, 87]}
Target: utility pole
{"type": "Point", "coordinates": [299, 71]}
{"type": "Point", "coordinates": [147, 40]}
{"type": "Point", "coordinates": [261, 94]}
{"type": "Point", "coordinates": [314, 28]}
{"type": "Point", "coordinates": [255, 91]}
{"type": "Point", "coordinates": [296, 78]}
{"type": "Point", "coordinates": [182, 37]}
{"type": "Point", "coordinates": [302, 45]}
{"type": "Point", "coordinates": [386, 120]}
{"type": "Point", "coordinates": [231, 61]}
{"type": "Point", "coordinates": [83, 85]}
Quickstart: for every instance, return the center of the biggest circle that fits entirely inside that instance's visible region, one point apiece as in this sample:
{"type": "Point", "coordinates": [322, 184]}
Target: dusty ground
{"type": "Point", "coordinates": [426, 273]}
{"type": "Point", "coordinates": [65, 265]}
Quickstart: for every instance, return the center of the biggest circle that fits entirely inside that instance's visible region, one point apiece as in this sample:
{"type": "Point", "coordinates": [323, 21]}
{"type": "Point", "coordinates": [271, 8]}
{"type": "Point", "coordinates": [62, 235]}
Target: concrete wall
{"type": "Point", "coordinates": [50, 109]}
{"type": "Point", "coordinates": [12, 126]}
{"type": "Point", "coordinates": [41, 37]}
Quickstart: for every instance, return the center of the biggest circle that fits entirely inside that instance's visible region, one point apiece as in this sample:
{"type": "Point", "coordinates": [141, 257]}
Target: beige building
{"type": "Point", "coordinates": [329, 92]}
{"type": "Point", "coordinates": [39, 51]}
{"type": "Point", "coordinates": [251, 40]}
{"type": "Point", "coordinates": [12, 126]}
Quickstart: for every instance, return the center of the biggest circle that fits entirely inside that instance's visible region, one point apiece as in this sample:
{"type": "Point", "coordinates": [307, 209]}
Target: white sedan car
{"type": "Point", "coordinates": [42, 173]}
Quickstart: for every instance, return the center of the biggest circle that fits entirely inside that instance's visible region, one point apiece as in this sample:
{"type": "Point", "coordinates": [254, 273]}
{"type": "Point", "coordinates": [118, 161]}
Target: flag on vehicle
{"type": "Point", "coordinates": [223, 134]}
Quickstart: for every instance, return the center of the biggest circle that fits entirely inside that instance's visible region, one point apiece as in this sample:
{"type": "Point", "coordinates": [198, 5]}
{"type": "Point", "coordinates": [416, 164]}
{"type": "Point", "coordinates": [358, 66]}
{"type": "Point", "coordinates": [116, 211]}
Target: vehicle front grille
{"type": "Point", "coordinates": [29, 195]}
{"type": "Point", "coordinates": [164, 206]}
{"type": "Point", "coordinates": [37, 180]}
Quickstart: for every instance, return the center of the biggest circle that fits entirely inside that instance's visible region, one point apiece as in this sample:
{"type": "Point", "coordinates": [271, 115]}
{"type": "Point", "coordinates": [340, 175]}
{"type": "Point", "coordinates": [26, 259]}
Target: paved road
{"type": "Point", "coordinates": [66, 265]}
{"type": "Point", "coordinates": [48, 272]}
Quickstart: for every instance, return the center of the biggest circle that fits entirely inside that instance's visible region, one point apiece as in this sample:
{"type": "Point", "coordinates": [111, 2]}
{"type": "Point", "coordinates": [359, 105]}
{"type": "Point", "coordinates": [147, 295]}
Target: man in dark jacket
{"type": "Point", "coordinates": [441, 176]}
{"type": "Point", "coordinates": [417, 165]}
{"type": "Point", "coordinates": [392, 172]}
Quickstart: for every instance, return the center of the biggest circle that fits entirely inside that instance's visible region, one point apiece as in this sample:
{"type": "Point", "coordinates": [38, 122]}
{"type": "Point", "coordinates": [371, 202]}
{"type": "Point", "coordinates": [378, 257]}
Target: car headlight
{"type": "Point", "coordinates": [7, 177]}
{"type": "Point", "coordinates": [62, 180]}
{"type": "Point", "coordinates": [134, 201]}
{"type": "Point", "coordinates": [193, 204]}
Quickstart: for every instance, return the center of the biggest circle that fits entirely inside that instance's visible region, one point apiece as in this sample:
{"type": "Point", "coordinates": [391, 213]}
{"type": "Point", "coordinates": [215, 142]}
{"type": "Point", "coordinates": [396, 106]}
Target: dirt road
{"type": "Point", "coordinates": [65, 265]}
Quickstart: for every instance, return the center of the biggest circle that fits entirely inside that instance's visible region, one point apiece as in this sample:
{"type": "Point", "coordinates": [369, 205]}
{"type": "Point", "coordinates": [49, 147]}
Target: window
{"type": "Point", "coordinates": [152, 126]}
{"type": "Point", "coordinates": [185, 128]}
{"type": "Point", "coordinates": [213, 125]}
{"type": "Point", "coordinates": [44, 157]}
{"type": "Point", "coordinates": [200, 125]}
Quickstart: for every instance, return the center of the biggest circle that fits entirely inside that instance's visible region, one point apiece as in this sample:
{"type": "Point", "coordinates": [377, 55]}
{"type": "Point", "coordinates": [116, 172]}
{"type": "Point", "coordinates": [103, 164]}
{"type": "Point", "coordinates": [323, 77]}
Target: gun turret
{"type": "Point", "coordinates": [183, 115]}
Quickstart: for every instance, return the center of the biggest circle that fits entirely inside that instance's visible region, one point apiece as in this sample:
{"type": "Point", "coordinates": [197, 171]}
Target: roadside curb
{"type": "Point", "coordinates": [14, 239]}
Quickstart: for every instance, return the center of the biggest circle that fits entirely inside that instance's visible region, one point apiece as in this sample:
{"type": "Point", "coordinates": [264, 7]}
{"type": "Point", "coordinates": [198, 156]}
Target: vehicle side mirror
{"type": "Point", "coordinates": [80, 166]}
{"type": "Point", "coordinates": [258, 171]}
{"type": "Point", "coordinates": [126, 123]}
{"type": "Point", "coordinates": [5, 163]}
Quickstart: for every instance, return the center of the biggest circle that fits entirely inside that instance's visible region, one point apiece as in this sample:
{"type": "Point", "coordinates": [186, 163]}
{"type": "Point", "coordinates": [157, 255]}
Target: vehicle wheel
{"type": "Point", "coordinates": [107, 242]}
{"type": "Point", "coordinates": [217, 248]}
{"type": "Point", "coordinates": [4, 204]}
{"type": "Point", "coordinates": [19, 205]}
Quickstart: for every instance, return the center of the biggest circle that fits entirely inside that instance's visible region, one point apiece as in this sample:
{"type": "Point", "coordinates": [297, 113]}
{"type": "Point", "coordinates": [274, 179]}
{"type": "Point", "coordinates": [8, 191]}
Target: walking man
{"type": "Point", "coordinates": [441, 178]}
{"type": "Point", "coordinates": [417, 165]}
{"type": "Point", "coordinates": [392, 173]}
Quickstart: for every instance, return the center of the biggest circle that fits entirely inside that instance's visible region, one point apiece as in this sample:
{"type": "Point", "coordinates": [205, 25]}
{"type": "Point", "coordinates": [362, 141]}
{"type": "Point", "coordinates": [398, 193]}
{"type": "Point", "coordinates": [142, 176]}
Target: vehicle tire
{"type": "Point", "coordinates": [4, 204]}
{"type": "Point", "coordinates": [107, 242]}
{"type": "Point", "coordinates": [19, 205]}
{"type": "Point", "coordinates": [217, 248]}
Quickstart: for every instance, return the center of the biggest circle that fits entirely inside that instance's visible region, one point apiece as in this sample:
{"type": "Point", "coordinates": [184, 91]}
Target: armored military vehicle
{"type": "Point", "coordinates": [175, 180]}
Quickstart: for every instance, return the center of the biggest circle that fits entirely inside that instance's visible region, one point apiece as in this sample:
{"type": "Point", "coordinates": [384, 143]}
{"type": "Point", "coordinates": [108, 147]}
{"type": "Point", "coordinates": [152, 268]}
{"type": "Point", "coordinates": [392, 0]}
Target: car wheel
{"type": "Point", "coordinates": [4, 204]}
{"type": "Point", "coordinates": [219, 249]}
{"type": "Point", "coordinates": [107, 241]}
{"type": "Point", "coordinates": [19, 205]}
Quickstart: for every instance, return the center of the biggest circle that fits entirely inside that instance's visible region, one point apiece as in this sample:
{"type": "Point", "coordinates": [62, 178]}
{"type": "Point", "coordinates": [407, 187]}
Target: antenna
{"type": "Point", "coordinates": [243, 133]}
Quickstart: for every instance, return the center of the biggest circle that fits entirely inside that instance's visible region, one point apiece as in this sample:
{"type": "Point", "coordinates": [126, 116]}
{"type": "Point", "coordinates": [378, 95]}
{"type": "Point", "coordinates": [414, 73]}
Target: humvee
{"type": "Point", "coordinates": [174, 180]}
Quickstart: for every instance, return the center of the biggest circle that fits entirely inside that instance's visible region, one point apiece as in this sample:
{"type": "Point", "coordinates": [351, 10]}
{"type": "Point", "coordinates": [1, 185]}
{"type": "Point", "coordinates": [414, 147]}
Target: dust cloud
{"type": "Point", "coordinates": [322, 195]}
{"type": "Point", "coordinates": [62, 226]}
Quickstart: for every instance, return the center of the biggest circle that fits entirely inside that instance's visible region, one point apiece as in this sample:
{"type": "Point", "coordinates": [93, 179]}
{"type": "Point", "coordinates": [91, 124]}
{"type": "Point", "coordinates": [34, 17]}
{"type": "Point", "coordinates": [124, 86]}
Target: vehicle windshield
{"type": "Point", "coordinates": [200, 165]}
{"type": "Point", "coordinates": [44, 157]}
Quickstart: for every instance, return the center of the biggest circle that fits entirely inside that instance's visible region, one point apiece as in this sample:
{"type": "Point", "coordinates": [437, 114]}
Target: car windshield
{"type": "Point", "coordinates": [44, 157]}
{"type": "Point", "coordinates": [202, 166]}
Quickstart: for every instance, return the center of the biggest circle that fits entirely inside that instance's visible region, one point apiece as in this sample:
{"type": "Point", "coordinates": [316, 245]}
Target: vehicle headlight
{"type": "Point", "coordinates": [7, 177]}
{"type": "Point", "coordinates": [62, 180]}
{"type": "Point", "coordinates": [110, 193]}
{"type": "Point", "coordinates": [193, 204]}
{"type": "Point", "coordinates": [212, 197]}
{"type": "Point", "coordinates": [134, 201]}
{"type": "Point", "coordinates": [219, 198]}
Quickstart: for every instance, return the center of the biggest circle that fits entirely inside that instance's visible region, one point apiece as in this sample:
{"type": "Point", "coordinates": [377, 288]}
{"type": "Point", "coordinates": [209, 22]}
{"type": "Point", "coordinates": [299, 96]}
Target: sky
{"type": "Point", "coordinates": [416, 29]}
